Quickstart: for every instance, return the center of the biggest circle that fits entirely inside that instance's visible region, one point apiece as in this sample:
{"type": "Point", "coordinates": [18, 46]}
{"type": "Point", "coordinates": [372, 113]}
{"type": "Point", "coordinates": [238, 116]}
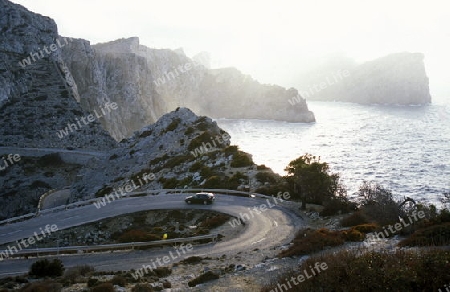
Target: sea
{"type": "Point", "coordinates": [405, 149]}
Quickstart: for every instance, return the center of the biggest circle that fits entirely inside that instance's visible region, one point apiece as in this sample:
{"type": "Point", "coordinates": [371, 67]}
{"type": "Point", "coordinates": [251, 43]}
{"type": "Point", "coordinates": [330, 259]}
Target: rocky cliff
{"type": "Point", "coordinates": [38, 97]}
{"type": "Point", "coordinates": [146, 83]}
{"type": "Point", "coordinates": [56, 112]}
{"type": "Point", "coordinates": [394, 79]}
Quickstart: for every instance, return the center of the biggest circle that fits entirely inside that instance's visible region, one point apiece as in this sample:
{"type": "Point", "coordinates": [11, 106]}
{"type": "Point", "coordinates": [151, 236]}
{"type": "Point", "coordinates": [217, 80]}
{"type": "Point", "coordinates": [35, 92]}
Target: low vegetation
{"type": "Point", "coordinates": [205, 277]}
{"type": "Point", "coordinates": [398, 271]}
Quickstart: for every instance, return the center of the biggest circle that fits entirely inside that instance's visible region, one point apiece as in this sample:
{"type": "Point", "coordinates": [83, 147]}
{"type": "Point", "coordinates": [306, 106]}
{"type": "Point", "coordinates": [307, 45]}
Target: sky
{"type": "Point", "coordinates": [273, 41]}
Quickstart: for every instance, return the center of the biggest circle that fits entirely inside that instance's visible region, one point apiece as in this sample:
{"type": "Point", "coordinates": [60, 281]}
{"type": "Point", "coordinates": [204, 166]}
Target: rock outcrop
{"type": "Point", "coordinates": [38, 97]}
{"type": "Point", "coordinates": [398, 79]}
{"type": "Point", "coordinates": [147, 83]}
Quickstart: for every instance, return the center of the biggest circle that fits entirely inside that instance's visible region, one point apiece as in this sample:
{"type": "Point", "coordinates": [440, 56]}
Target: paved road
{"type": "Point", "coordinates": [273, 227]}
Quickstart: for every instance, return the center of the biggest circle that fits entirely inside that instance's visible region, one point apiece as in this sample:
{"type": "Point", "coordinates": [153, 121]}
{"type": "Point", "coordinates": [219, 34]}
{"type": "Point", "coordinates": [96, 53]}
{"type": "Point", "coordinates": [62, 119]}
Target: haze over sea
{"type": "Point", "coordinates": [404, 148]}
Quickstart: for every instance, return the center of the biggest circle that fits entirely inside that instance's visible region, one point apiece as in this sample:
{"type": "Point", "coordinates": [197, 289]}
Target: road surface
{"type": "Point", "coordinates": [273, 227]}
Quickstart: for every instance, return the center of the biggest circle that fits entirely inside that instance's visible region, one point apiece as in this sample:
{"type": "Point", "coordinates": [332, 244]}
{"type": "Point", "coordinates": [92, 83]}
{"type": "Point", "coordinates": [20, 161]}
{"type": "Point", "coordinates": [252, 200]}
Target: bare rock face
{"type": "Point", "coordinates": [394, 79]}
{"type": "Point", "coordinates": [165, 149]}
{"type": "Point", "coordinates": [38, 97]}
{"type": "Point", "coordinates": [147, 83]}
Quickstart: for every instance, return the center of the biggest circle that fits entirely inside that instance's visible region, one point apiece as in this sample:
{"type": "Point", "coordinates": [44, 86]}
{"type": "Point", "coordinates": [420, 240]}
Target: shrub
{"type": "Point", "coordinates": [264, 177]}
{"type": "Point", "coordinates": [338, 205]}
{"type": "Point", "coordinates": [173, 125]}
{"type": "Point", "coordinates": [354, 219]}
{"type": "Point", "coordinates": [202, 123]}
{"type": "Point", "coordinates": [45, 268]}
{"type": "Point", "coordinates": [40, 184]}
{"type": "Point", "coordinates": [241, 159]}
{"type": "Point", "coordinates": [41, 287]}
{"type": "Point", "coordinates": [378, 204]}
{"type": "Point", "coordinates": [162, 272]}
{"type": "Point", "coordinates": [137, 236]}
{"type": "Point", "coordinates": [216, 221]}
{"type": "Point", "coordinates": [177, 160]}
{"type": "Point", "coordinates": [197, 142]}
{"type": "Point", "coordinates": [208, 276]}
{"type": "Point", "coordinates": [196, 166]}
{"type": "Point", "coordinates": [398, 271]}
{"type": "Point", "coordinates": [214, 182]}
{"type": "Point", "coordinates": [307, 241]}
{"type": "Point", "coordinates": [169, 183]}
{"type": "Point", "coordinates": [206, 172]}
{"type": "Point", "coordinates": [366, 228]}
{"type": "Point", "coordinates": [119, 280]}
{"type": "Point", "coordinates": [145, 133]}
{"type": "Point", "coordinates": [233, 149]}
{"type": "Point", "coordinates": [142, 288]}
{"type": "Point", "coordinates": [352, 235]}
{"type": "Point", "coordinates": [104, 287]}
{"type": "Point", "coordinates": [436, 235]}
{"type": "Point", "coordinates": [92, 282]}
{"type": "Point", "coordinates": [73, 274]}
{"type": "Point", "coordinates": [192, 260]}
{"type": "Point", "coordinates": [189, 131]}
{"type": "Point", "coordinates": [53, 159]}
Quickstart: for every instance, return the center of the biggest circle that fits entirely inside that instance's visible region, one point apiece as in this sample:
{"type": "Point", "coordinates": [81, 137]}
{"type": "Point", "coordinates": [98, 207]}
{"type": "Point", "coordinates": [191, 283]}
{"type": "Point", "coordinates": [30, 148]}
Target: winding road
{"type": "Point", "coordinates": [274, 227]}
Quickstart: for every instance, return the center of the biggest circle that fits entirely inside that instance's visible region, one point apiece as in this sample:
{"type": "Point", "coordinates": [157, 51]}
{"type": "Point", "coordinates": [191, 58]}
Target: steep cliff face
{"type": "Point", "coordinates": [394, 79]}
{"type": "Point", "coordinates": [38, 97]}
{"type": "Point", "coordinates": [147, 83]}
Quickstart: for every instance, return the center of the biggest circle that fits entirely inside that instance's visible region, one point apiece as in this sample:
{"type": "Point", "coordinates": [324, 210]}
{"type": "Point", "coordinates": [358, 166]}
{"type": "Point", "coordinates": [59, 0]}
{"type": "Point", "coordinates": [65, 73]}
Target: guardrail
{"type": "Point", "coordinates": [24, 252]}
{"type": "Point", "coordinates": [132, 194]}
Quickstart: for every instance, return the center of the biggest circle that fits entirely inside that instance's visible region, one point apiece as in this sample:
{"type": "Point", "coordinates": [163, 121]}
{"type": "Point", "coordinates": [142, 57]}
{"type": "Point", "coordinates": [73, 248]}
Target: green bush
{"type": "Point", "coordinates": [46, 286]}
{"type": "Point", "coordinates": [119, 281]}
{"type": "Point", "coordinates": [214, 182]}
{"type": "Point", "coordinates": [357, 218]}
{"type": "Point", "coordinates": [308, 241]}
{"type": "Point", "coordinates": [241, 159]}
{"type": "Point", "coordinates": [45, 268]}
{"type": "Point", "coordinates": [196, 166]}
{"type": "Point", "coordinates": [104, 287]}
{"type": "Point", "coordinates": [92, 282]}
{"type": "Point", "coordinates": [177, 160]}
{"type": "Point", "coordinates": [189, 131]}
{"type": "Point", "coordinates": [162, 272]}
{"type": "Point", "coordinates": [53, 159]}
{"type": "Point", "coordinates": [354, 272]}
{"type": "Point", "coordinates": [173, 125]}
{"type": "Point", "coordinates": [169, 183]}
{"type": "Point", "coordinates": [264, 177]}
{"type": "Point", "coordinates": [366, 228]}
{"type": "Point", "coordinates": [232, 149]}
{"type": "Point", "coordinates": [197, 142]}
{"type": "Point", "coordinates": [338, 205]}
{"type": "Point", "coordinates": [137, 236]}
{"type": "Point", "coordinates": [435, 235]}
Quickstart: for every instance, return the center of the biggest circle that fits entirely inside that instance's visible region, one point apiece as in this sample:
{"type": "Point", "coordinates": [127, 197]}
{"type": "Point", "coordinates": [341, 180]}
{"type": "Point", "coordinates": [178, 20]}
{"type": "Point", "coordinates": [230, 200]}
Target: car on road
{"type": "Point", "coordinates": [201, 198]}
